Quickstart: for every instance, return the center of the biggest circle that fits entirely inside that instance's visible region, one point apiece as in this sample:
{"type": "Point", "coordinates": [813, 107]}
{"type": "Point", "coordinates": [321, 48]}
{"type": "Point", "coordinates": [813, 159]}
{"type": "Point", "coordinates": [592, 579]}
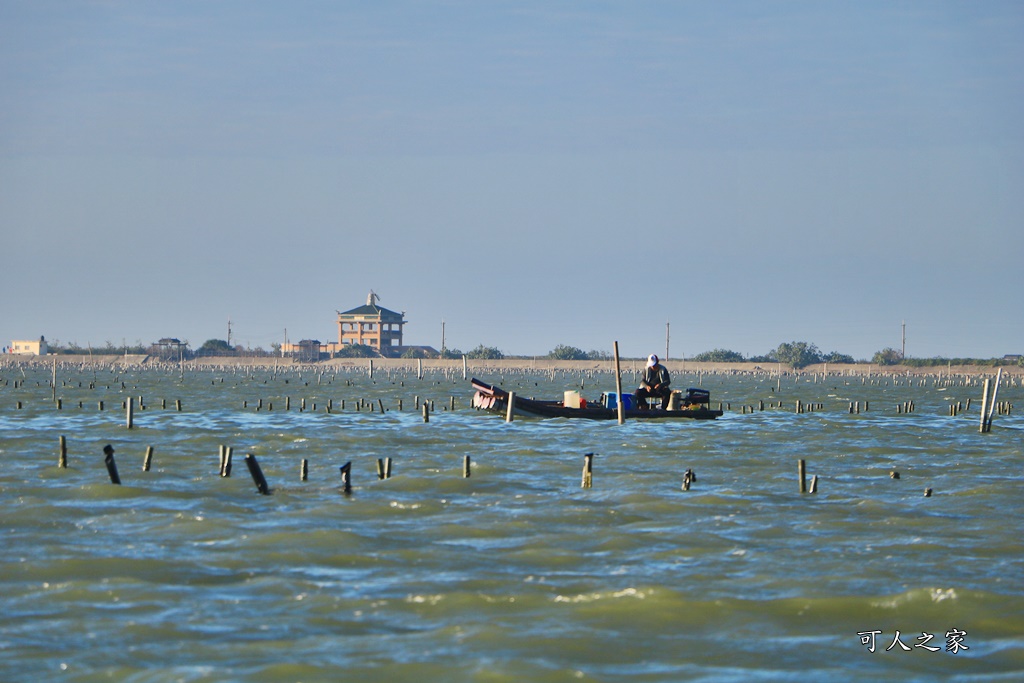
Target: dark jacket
{"type": "Point", "coordinates": [656, 375]}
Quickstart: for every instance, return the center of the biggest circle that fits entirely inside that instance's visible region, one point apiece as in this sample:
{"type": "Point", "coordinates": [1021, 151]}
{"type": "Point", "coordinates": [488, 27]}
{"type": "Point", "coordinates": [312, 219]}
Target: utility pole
{"type": "Point", "coordinates": [229, 331]}
{"type": "Point", "coordinates": [903, 348]}
{"type": "Point", "coordinates": [442, 338]}
{"type": "Point", "coordinates": [666, 339]}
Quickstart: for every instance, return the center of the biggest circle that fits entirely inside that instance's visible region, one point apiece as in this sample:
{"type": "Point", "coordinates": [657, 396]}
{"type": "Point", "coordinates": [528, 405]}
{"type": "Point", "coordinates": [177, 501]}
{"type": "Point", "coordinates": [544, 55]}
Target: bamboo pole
{"type": "Point", "coordinates": [618, 386]}
{"type": "Point", "coordinates": [992, 401]}
{"type": "Point", "coordinates": [984, 405]}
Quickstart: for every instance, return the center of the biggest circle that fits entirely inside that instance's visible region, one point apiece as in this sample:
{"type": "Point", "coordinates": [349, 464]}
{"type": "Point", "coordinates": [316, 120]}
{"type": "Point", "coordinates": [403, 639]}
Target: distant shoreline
{"type": "Point", "coordinates": [482, 367]}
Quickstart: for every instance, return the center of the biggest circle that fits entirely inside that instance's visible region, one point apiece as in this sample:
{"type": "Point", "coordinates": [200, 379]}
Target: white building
{"type": "Point", "coordinates": [36, 347]}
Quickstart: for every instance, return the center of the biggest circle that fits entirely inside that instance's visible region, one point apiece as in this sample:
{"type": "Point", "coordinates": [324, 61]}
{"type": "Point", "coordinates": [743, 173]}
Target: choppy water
{"type": "Point", "coordinates": [516, 573]}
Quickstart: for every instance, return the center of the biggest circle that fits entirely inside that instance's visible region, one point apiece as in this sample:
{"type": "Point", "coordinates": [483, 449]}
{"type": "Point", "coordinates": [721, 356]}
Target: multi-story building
{"type": "Point", "coordinates": [371, 325]}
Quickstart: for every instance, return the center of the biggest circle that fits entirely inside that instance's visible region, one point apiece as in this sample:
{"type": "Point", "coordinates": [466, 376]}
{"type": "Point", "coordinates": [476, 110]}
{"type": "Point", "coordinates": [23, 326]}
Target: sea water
{"type": "Point", "coordinates": [516, 572]}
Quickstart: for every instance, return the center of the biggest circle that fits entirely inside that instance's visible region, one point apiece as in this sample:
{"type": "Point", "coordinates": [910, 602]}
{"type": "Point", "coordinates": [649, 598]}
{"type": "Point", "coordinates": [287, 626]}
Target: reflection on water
{"type": "Point", "coordinates": [515, 573]}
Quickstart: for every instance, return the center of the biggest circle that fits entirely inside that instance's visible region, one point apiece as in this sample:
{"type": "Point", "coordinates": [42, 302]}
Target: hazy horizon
{"type": "Point", "coordinates": [531, 174]}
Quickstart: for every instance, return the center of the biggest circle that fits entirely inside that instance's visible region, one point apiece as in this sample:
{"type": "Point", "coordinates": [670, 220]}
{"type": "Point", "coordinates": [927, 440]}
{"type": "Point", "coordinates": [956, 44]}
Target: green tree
{"type": "Point", "coordinates": [797, 354]}
{"type": "Point", "coordinates": [719, 356]}
{"type": "Point", "coordinates": [451, 353]}
{"type": "Point", "coordinates": [563, 352]}
{"type": "Point", "coordinates": [836, 357]}
{"type": "Point", "coordinates": [888, 356]}
{"type": "Point", "coordinates": [599, 355]}
{"type": "Point", "coordinates": [215, 347]}
{"type": "Point", "coordinates": [482, 352]}
{"type": "Point", "coordinates": [356, 351]}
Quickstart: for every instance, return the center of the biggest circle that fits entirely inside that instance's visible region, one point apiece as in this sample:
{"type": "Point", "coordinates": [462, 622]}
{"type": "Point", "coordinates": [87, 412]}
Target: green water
{"type": "Point", "coordinates": [515, 573]}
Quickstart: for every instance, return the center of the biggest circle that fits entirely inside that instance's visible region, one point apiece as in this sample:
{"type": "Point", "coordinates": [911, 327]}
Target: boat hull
{"type": "Point", "coordinates": [494, 399]}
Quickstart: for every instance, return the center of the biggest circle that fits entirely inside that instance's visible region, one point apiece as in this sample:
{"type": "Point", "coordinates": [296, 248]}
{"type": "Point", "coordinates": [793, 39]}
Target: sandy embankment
{"type": "Point", "coordinates": [484, 368]}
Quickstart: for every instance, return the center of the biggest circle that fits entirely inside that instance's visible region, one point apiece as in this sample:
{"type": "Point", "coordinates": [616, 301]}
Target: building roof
{"type": "Point", "coordinates": [373, 311]}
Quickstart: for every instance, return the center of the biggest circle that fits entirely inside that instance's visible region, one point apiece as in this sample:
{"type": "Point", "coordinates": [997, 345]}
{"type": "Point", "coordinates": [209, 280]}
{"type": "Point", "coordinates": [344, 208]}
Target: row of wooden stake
{"type": "Point", "coordinates": [384, 470]}
{"type": "Point", "coordinates": [225, 456]}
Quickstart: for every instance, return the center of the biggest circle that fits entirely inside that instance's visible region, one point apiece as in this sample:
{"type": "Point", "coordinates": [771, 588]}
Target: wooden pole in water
{"type": "Point", "coordinates": [257, 474]}
{"type": "Point", "coordinates": [466, 467]}
{"type": "Point", "coordinates": [510, 409]}
{"type": "Point", "coordinates": [346, 477]}
{"type": "Point", "coordinates": [147, 461]}
{"type": "Point", "coordinates": [304, 470]}
{"type": "Point", "coordinates": [62, 461]}
{"type": "Point", "coordinates": [108, 452]}
{"type": "Point", "coordinates": [426, 412]}
{"type": "Point", "coordinates": [465, 369]}
{"type": "Point", "coordinates": [802, 470]}
{"type": "Point", "coordinates": [225, 470]}
{"type": "Point", "coordinates": [588, 471]}
{"type": "Point", "coordinates": [618, 386]}
{"type": "Point", "coordinates": [129, 410]}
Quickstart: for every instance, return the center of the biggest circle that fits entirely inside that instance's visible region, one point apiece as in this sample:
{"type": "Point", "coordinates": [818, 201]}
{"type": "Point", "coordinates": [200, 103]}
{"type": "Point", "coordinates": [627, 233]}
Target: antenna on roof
{"type": "Point", "coordinates": [372, 298]}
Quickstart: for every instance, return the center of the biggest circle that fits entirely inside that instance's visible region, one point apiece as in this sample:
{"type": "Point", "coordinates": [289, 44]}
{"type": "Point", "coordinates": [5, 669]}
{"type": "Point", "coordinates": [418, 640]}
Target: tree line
{"type": "Point", "coordinates": [801, 354]}
{"type": "Point", "coordinates": [796, 354]}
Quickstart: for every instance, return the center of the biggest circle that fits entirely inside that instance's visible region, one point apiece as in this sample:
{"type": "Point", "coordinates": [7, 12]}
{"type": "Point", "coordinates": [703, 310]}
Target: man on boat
{"type": "Point", "coordinates": [655, 382]}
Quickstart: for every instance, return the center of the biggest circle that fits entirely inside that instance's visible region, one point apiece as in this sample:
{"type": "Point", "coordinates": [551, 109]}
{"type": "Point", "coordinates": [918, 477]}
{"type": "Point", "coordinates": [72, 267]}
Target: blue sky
{"type": "Point", "coordinates": [530, 173]}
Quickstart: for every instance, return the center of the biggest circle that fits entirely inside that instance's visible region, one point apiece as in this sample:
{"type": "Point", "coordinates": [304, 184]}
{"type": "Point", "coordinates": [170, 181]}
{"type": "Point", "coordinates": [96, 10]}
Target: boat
{"type": "Point", "coordinates": [693, 404]}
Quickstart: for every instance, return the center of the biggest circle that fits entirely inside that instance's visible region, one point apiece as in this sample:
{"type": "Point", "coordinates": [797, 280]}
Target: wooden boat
{"type": "Point", "coordinates": [691, 405]}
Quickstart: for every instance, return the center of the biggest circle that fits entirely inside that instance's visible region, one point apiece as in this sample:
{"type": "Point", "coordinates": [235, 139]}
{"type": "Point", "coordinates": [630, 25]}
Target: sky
{"type": "Point", "coordinates": [521, 175]}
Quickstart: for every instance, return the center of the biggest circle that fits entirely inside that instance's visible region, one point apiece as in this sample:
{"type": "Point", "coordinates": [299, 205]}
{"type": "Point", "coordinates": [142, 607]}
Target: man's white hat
{"type": "Point", "coordinates": [652, 360]}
